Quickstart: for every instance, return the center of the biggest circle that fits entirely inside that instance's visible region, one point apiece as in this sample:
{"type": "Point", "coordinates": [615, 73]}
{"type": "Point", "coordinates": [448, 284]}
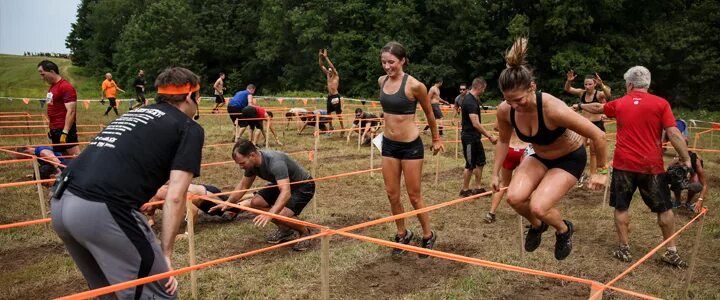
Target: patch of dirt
{"type": "Point", "coordinates": [14, 259]}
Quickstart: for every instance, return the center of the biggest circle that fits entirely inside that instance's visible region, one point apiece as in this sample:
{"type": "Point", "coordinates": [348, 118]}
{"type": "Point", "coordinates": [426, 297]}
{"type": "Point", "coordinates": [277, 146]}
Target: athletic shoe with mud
{"type": "Point", "coordinates": [534, 237]}
{"type": "Point", "coordinates": [466, 193]}
{"type": "Point", "coordinates": [489, 218]}
{"type": "Point", "coordinates": [563, 242]}
{"type": "Point", "coordinates": [396, 253]}
{"type": "Point", "coordinates": [673, 258]}
{"type": "Point", "coordinates": [306, 244]}
{"type": "Point", "coordinates": [281, 235]}
{"type": "Point", "coordinates": [428, 244]}
{"type": "Point", "coordinates": [582, 179]}
{"type": "Point", "coordinates": [478, 191]}
{"type": "Point", "coordinates": [623, 253]}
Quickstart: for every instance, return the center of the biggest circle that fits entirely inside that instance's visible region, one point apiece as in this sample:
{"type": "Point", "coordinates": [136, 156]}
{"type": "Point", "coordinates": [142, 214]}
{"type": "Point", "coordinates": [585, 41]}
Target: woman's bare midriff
{"type": "Point", "coordinates": [564, 145]}
{"type": "Point", "coordinates": [400, 128]}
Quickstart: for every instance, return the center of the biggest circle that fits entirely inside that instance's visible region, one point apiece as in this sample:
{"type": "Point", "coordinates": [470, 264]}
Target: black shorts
{"type": "Point", "coordinates": [113, 103]}
{"type": "Point", "coordinates": [234, 112]}
{"type": "Point", "coordinates": [219, 99]}
{"type": "Point", "coordinates": [573, 162]}
{"type": "Point", "coordinates": [250, 112]}
{"type": "Point", "coordinates": [300, 196]}
{"type": "Point", "coordinates": [437, 112]}
{"type": "Point", "coordinates": [473, 151]}
{"type": "Point", "coordinates": [654, 190]}
{"type": "Point", "coordinates": [600, 124]}
{"type": "Point", "coordinates": [205, 205]}
{"type": "Point", "coordinates": [55, 134]}
{"type": "Point", "coordinates": [140, 96]}
{"type": "Point", "coordinates": [337, 108]}
{"type": "Point", "coordinates": [403, 150]}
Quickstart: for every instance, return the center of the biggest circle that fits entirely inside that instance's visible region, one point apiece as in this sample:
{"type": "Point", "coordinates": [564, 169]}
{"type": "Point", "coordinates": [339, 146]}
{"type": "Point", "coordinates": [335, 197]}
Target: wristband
{"type": "Point", "coordinates": [65, 132]}
{"type": "Point", "coordinates": [602, 170]}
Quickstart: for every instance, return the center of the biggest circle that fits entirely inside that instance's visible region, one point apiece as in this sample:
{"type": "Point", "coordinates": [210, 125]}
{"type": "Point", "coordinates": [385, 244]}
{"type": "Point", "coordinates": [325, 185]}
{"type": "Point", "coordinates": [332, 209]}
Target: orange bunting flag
{"type": "Point", "coordinates": [280, 100]}
{"type": "Point", "coordinates": [26, 100]}
{"type": "Point", "coordinates": [374, 104]}
{"type": "Point", "coordinates": [86, 104]}
{"type": "Point", "coordinates": [305, 101]}
{"type": "Point", "coordinates": [311, 155]}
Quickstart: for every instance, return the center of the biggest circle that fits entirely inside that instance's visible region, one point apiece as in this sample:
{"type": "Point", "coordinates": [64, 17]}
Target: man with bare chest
{"type": "Point", "coordinates": [333, 82]}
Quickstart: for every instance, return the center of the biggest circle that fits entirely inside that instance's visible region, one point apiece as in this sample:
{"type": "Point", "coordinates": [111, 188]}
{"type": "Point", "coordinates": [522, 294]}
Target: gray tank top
{"type": "Point", "coordinates": [397, 103]}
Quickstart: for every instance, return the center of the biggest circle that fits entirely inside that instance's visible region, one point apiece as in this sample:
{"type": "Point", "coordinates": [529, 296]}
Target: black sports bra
{"type": "Point", "coordinates": [544, 136]}
{"type": "Point", "coordinates": [397, 103]}
{"type": "Point", "coordinates": [594, 99]}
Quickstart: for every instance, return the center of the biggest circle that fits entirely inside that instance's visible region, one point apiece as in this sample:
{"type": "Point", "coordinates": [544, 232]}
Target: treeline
{"type": "Point", "coordinates": [274, 43]}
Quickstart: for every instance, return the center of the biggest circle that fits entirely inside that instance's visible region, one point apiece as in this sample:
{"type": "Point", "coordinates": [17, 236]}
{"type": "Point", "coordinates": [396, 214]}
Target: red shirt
{"type": "Point", "coordinates": [59, 93]}
{"type": "Point", "coordinates": [641, 118]}
{"type": "Point", "coordinates": [260, 112]}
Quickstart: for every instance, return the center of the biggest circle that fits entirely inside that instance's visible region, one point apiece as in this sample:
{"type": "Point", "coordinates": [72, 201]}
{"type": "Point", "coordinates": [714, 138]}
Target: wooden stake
{"type": "Point", "coordinates": [325, 267]}
{"type": "Point", "coordinates": [41, 196]}
{"type": "Point", "coordinates": [267, 134]}
{"type": "Point", "coordinates": [522, 240]}
{"type": "Point", "coordinates": [236, 130]}
{"type": "Point", "coordinates": [372, 154]}
{"type": "Point", "coordinates": [437, 167]}
{"type": "Point", "coordinates": [693, 257]}
{"type": "Point", "coordinates": [316, 155]}
{"type": "Point", "coordinates": [190, 218]}
{"type": "Point", "coordinates": [596, 291]}
{"type": "Point", "coordinates": [457, 136]}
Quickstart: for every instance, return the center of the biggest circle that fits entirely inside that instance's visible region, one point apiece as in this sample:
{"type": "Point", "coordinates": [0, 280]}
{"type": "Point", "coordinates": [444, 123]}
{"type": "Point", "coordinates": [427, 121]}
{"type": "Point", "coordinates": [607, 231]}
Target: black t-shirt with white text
{"type": "Point", "coordinates": [469, 106]}
{"type": "Point", "coordinates": [132, 157]}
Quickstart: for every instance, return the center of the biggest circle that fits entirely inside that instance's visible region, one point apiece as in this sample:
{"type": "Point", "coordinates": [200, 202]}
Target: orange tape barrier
{"type": "Point", "coordinates": [40, 134]}
{"type": "Point", "coordinates": [22, 183]}
{"type": "Point", "coordinates": [42, 126]}
{"type": "Point", "coordinates": [25, 223]}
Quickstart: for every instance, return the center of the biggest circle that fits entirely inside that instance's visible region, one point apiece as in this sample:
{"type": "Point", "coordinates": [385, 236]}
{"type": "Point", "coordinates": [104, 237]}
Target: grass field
{"type": "Point", "coordinates": [36, 266]}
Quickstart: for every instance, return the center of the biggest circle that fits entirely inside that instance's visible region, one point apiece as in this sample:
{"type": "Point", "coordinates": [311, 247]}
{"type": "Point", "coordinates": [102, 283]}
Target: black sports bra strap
{"type": "Point", "coordinates": [384, 82]}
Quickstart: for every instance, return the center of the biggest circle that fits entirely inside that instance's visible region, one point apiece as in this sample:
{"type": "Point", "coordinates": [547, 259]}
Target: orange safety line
{"type": "Point", "coordinates": [10, 161]}
{"type": "Point", "coordinates": [43, 126]}
{"type": "Point", "coordinates": [24, 122]}
{"type": "Point", "coordinates": [49, 145]}
{"type": "Point", "coordinates": [33, 156]}
{"type": "Point", "coordinates": [657, 248]}
{"type": "Point", "coordinates": [39, 134]}
{"type": "Point", "coordinates": [144, 280]}
{"type": "Point", "coordinates": [24, 223]}
{"type": "Point", "coordinates": [22, 116]}
{"type": "Point", "coordinates": [22, 183]}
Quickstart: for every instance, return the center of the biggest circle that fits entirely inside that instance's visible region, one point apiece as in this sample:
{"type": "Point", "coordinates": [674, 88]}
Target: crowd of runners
{"type": "Point", "coordinates": [540, 155]}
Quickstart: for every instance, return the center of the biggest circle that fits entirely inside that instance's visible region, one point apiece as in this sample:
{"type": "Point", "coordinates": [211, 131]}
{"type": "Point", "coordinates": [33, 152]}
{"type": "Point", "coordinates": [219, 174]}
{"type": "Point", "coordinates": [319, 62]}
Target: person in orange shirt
{"type": "Point", "coordinates": [109, 91]}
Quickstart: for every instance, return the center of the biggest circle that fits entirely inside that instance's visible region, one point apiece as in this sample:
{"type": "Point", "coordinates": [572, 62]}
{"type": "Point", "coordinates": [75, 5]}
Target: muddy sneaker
{"type": "Point", "coordinates": [465, 193]}
{"type": "Point", "coordinates": [478, 191]}
{"type": "Point", "coordinates": [428, 243]}
{"type": "Point", "coordinates": [396, 253]}
{"type": "Point", "coordinates": [534, 237]}
{"type": "Point", "coordinates": [306, 244]}
{"type": "Point", "coordinates": [623, 253]}
{"type": "Point", "coordinates": [281, 235]}
{"type": "Point", "coordinates": [489, 218]}
{"type": "Point", "coordinates": [563, 242]}
{"type": "Point", "coordinates": [581, 181]}
{"type": "Point", "coordinates": [673, 258]}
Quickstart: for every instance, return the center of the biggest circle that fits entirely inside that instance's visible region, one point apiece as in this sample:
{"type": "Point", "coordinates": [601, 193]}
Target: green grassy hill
{"type": "Point", "coordinates": [19, 77]}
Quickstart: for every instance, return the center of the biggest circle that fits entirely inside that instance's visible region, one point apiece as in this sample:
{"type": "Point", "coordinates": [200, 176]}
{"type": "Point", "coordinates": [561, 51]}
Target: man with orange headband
{"type": "Point", "coordinates": [95, 207]}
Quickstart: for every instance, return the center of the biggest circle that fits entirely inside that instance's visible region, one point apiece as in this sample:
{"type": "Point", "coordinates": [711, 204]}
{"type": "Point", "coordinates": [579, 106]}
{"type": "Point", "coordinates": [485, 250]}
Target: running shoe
{"type": "Point", "coordinates": [673, 258]}
{"type": "Point", "coordinates": [428, 244]}
{"type": "Point", "coordinates": [534, 237]}
{"type": "Point", "coordinates": [563, 242]}
{"type": "Point", "coordinates": [623, 253]}
{"type": "Point", "coordinates": [489, 218]}
{"type": "Point", "coordinates": [478, 191]}
{"type": "Point", "coordinates": [581, 181]}
{"type": "Point", "coordinates": [281, 235]}
{"type": "Point", "coordinates": [466, 193]}
{"type": "Point", "coordinates": [396, 253]}
{"type": "Point", "coordinates": [305, 244]}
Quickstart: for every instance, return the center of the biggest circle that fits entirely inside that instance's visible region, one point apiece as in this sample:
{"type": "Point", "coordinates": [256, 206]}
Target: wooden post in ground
{"type": "Point", "coordinates": [27, 129]}
{"type": "Point", "coordinates": [190, 218]}
{"type": "Point", "coordinates": [359, 137]}
{"type": "Point", "coordinates": [236, 130]}
{"type": "Point", "coordinates": [267, 133]}
{"type": "Point", "coordinates": [522, 241]}
{"type": "Point", "coordinates": [313, 171]}
{"type": "Point", "coordinates": [372, 153]}
{"type": "Point", "coordinates": [693, 258]}
{"type": "Point", "coordinates": [596, 291]}
{"type": "Point", "coordinates": [41, 196]}
{"type": "Point", "coordinates": [325, 267]}
{"type": "Point", "coordinates": [457, 136]}
{"type": "Point", "coordinates": [437, 167]}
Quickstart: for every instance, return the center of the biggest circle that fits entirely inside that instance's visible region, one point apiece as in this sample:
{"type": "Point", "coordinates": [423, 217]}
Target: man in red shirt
{"type": "Point", "coordinates": [638, 162]}
{"type": "Point", "coordinates": [61, 109]}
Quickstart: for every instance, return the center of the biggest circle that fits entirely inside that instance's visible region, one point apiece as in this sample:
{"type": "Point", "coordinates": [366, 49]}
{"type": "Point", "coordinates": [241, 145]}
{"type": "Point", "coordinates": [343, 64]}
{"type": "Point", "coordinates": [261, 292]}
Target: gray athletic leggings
{"type": "Point", "coordinates": [110, 244]}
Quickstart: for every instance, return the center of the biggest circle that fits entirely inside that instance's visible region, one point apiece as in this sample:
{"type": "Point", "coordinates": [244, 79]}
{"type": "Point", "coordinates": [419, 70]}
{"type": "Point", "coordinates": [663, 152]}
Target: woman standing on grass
{"type": "Point", "coordinates": [556, 134]}
{"type": "Point", "coordinates": [402, 148]}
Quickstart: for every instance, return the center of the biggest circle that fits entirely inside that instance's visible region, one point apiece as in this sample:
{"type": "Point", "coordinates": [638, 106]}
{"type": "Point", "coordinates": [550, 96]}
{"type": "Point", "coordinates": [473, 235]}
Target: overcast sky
{"type": "Point", "coordinates": [35, 25]}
